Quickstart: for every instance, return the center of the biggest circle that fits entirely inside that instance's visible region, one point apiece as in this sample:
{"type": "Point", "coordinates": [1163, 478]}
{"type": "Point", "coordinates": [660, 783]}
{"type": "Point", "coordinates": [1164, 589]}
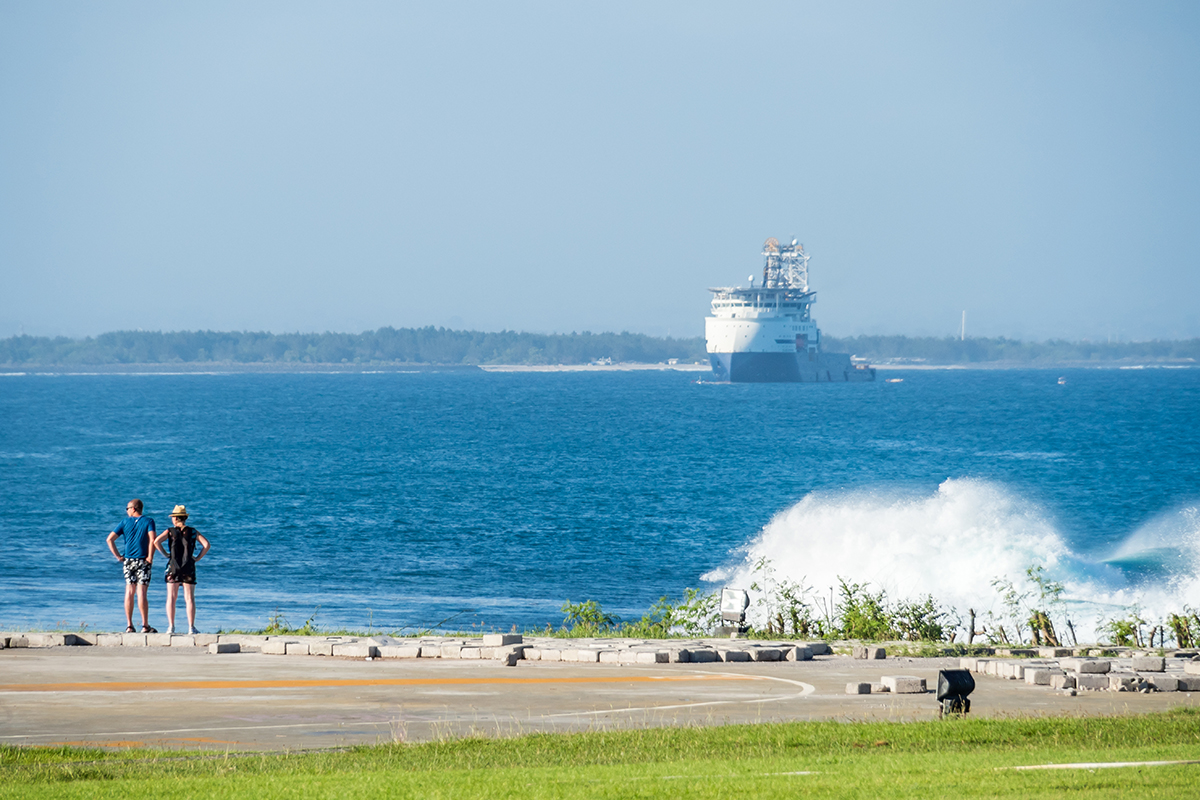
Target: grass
{"type": "Point", "coordinates": [963, 758]}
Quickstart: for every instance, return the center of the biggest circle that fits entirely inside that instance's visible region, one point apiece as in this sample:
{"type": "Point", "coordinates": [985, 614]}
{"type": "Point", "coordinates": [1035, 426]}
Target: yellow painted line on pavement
{"type": "Point", "coordinates": [169, 686]}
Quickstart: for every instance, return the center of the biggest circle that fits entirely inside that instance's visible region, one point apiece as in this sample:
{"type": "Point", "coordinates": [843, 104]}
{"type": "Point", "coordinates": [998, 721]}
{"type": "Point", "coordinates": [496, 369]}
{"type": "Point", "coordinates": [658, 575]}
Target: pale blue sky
{"type": "Point", "coordinates": [555, 167]}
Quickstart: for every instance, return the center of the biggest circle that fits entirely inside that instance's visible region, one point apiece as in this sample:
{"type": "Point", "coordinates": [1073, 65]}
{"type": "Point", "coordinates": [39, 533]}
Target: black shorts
{"type": "Point", "coordinates": [182, 576]}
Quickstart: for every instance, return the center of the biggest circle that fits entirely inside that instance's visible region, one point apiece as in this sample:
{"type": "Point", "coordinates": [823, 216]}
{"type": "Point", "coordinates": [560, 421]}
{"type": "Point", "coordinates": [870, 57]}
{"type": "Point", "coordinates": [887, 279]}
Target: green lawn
{"type": "Point", "coordinates": [959, 758]}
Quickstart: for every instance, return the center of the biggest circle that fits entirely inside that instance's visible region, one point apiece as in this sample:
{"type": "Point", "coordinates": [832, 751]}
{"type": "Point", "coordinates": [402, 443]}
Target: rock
{"type": "Point", "coordinates": [858, 688]}
{"type": "Point", "coordinates": [224, 647]}
{"type": "Point", "coordinates": [502, 639]}
{"type": "Point", "coordinates": [904, 684]}
{"type": "Point", "coordinates": [1149, 664]}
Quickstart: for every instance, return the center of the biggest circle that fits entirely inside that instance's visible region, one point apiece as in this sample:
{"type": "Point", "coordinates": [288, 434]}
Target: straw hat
{"type": "Point", "coordinates": [179, 511]}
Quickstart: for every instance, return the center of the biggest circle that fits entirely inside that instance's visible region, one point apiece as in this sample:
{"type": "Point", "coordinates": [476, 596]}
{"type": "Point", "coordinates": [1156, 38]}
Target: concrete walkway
{"type": "Point", "coordinates": [187, 697]}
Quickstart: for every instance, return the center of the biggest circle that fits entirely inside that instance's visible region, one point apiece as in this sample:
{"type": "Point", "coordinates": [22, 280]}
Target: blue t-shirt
{"type": "Point", "coordinates": [137, 532]}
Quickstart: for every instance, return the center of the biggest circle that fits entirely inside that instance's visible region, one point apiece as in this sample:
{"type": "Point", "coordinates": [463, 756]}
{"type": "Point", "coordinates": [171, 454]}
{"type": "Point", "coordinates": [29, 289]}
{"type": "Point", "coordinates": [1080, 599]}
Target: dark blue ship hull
{"type": "Point", "coordinates": [800, 367]}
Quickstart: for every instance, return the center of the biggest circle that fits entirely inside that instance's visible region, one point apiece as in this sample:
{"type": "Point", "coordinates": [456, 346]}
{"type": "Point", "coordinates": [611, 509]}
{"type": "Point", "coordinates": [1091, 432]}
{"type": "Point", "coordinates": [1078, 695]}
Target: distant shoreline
{"type": "Point", "coordinates": [292, 368]}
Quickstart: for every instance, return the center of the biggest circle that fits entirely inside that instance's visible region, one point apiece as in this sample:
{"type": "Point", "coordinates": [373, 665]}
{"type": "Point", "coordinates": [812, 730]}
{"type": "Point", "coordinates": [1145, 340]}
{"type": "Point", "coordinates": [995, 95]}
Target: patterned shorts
{"type": "Point", "coordinates": [137, 570]}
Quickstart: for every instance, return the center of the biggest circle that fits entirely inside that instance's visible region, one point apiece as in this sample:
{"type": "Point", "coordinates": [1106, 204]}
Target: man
{"type": "Point", "coordinates": [138, 532]}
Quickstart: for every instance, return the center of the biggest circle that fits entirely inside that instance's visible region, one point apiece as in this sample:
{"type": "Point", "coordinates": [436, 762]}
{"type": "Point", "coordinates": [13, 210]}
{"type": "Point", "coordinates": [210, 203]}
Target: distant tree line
{"type": "Point", "coordinates": [391, 345]}
{"type": "Point", "coordinates": [951, 350]}
{"type": "Point", "coordinates": [441, 346]}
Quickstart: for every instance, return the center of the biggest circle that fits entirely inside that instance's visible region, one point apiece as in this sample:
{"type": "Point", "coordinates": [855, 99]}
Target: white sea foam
{"type": "Point", "coordinates": [954, 543]}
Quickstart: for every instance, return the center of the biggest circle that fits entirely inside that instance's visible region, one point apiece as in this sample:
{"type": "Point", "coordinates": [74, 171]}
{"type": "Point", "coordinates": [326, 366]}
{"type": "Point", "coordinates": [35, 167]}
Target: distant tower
{"type": "Point", "coordinates": [962, 332]}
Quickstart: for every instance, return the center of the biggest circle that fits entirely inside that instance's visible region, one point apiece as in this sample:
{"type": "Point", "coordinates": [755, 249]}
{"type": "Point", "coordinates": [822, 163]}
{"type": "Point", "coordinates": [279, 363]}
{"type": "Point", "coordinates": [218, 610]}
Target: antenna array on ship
{"type": "Point", "coordinates": [785, 266]}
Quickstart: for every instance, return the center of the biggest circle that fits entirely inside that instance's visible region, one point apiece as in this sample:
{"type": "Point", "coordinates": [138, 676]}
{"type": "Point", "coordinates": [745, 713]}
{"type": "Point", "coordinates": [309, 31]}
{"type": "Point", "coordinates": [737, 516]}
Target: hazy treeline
{"type": "Point", "coordinates": [951, 350]}
{"type": "Point", "coordinates": [441, 346]}
{"type": "Point", "coordinates": [406, 345]}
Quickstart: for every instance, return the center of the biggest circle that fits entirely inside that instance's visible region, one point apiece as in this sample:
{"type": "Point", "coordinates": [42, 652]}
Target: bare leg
{"type": "Point", "coordinates": [172, 594]}
{"type": "Point", "coordinates": [143, 604]}
{"type": "Point", "coordinates": [189, 597]}
{"type": "Point", "coordinates": [129, 594]}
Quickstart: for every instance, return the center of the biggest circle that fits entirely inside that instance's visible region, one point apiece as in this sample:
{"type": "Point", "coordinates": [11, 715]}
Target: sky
{"type": "Point", "coordinates": [557, 167]}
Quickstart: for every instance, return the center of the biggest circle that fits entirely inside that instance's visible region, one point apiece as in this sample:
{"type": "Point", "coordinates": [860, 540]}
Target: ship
{"type": "Point", "coordinates": [766, 333]}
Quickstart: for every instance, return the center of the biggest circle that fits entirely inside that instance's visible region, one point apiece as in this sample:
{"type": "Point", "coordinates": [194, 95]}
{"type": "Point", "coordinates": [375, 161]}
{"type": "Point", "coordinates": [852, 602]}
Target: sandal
{"type": "Point", "coordinates": [130, 629]}
{"type": "Point", "coordinates": [148, 629]}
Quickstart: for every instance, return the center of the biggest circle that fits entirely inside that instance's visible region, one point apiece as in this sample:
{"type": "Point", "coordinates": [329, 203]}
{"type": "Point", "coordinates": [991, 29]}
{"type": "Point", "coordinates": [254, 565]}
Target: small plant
{"type": "Point", "coordinates": [864, 615]}
{"type": "Point", "coordinates": [1125, 631]}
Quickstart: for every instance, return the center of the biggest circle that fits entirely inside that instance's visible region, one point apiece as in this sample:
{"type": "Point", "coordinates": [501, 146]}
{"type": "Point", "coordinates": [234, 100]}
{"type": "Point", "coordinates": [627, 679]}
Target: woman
{"type": "Point", "coordinates": [181, 565]}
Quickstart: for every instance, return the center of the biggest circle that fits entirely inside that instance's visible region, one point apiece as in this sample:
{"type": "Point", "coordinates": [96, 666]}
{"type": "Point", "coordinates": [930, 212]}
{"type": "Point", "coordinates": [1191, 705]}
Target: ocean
{"type": "Point", "coordinates": [483, 501]}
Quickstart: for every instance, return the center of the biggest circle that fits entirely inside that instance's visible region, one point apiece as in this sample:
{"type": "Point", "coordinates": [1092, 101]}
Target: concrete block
{"type": "Point", "coordinates": [1040, 676]}
{"type": "Point", "coordinates": [610, 656]}
{"type": "Point", "coordinates": [1189, 683]}
{"type": "Point", "coordinates": [627, 656]}
{"type": "Point", "coordinates": [470, 652]}
{"type": "Point", "coordinates": [551, 655]}
{"type": "Point", "coordinates": [991, 667]}
{"type": "Point", "coordinates": [451, 651]}
{"type": "Point", "coordinates": [1092, 681]}
{"type": "Point", "coordinates": [511, 658]}
{"type": "Point", "coordinates": [801, 653]}
{"type": "Point", "coordinates": [1088, 666]}
{"type": "Point", "coordinates": [879, 688]}
{"type": "Point", "coordinates": [858, 688]}
{"type": "Point", "coordinates": [967, 663]}
{"type": "Point", "coordinates": [400, 651]}
{"type": "Point", "coordinates": [1163, 683]}
{"type": "Point", "coordinates": [869, 653]}
{"type": "Point", "coordinates": [431, 651]}
{"type": "Point", "coordinates": [158, 640]}
{"type": "Point", "coordinates": [182, 641]}
{"type": "Point", "coordinates": [1191, 667]}
{"type": "Point", "coordinates": [46, 639]}
{"type": "Point", "coordinates": [819, 648]}
{"type": "Point", "coordinates": [1149, 664]}
{"type": "Point", "coordinates": [224, 647]}
{"type": "Point", "coordinates": [1054, 652]}
{"type": "Point", "coordinates": [653, 657]}
{"type": "Point", "coordinates": [1016, 672]}
{"type": "Point", "coordinates": [764, 654]}
{"type": "Point", "coordinates": [570, 655]}
{"type": "Point", "coordinates": [704, 656]}
{"type": "Point", "coordinates": [1123, 682]}
{"type": "Point", "coordinates": [108, 639]}
{"type": "Point", "coordinates": [320, 648]}
{"type": "Point", "coordinates": [15, 642]}
{"type": "Point", "coordinates": [85, 639]}
{"type": "Point", "coordinates": [681, 655]}
{"type": "Point", "coordinates": [133, 640]}
{"type": "Point", "coordinates": [533, 654]}
{"type": "Point", "coordinates": [275, 647]}
{"type": "Point", "coordinates": [502, 639]}
{"type": "Point", "coordinates": [588, 656]}
{"type": "Point", "coordinates": [355, 650]}
{"type": "Point", "coordinates": [733, 655]}
{"type": "Point", "coordinates": [981, 666]}
{"type": "Point", "coordinates": [295, 649]}
{"type": "Point", "coordinates": [1062, 681]}
{"type": "Point", "coordinates": [904, 684]}
{"type": "Point", "coordinates": [204, 639]}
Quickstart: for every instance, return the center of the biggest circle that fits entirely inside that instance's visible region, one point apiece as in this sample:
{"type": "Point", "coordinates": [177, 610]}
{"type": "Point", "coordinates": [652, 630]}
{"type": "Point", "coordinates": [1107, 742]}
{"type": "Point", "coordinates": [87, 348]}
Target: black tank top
{"type": "Point", "coordinates": [181, 544]}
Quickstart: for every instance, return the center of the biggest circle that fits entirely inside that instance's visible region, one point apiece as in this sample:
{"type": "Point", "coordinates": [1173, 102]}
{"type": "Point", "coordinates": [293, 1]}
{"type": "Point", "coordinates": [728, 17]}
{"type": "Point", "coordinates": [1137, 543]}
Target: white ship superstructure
{"type": "Point", "coordinates": [766, 332]}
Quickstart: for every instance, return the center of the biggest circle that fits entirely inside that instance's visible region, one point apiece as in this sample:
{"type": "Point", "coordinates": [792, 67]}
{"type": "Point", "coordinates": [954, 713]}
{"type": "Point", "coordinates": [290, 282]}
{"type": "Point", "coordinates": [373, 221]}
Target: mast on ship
{"type": "Point", "coordinates": [784, 266]}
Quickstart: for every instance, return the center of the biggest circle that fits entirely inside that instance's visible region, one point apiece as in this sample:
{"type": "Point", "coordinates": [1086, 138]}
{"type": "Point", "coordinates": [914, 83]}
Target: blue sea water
{"type": "Point", "coordinates": [401, 501]}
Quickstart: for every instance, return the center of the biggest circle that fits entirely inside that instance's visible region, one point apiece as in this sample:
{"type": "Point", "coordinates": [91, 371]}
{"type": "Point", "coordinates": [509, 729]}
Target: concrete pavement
{"type": "Point", "coordinates": [186, 697]}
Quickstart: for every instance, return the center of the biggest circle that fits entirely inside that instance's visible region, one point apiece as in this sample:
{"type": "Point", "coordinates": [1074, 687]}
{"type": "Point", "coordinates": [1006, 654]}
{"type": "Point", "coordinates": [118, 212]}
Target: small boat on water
{"type": "Point", "coordinates": [894, 380]}
{"type": "Point", "coordinates": [1062, 381]}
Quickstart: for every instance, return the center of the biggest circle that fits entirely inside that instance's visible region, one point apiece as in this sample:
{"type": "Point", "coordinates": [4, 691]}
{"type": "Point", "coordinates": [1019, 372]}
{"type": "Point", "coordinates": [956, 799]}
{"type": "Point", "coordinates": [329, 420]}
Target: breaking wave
{"type": "Point", "coordinates": [953, 543]}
